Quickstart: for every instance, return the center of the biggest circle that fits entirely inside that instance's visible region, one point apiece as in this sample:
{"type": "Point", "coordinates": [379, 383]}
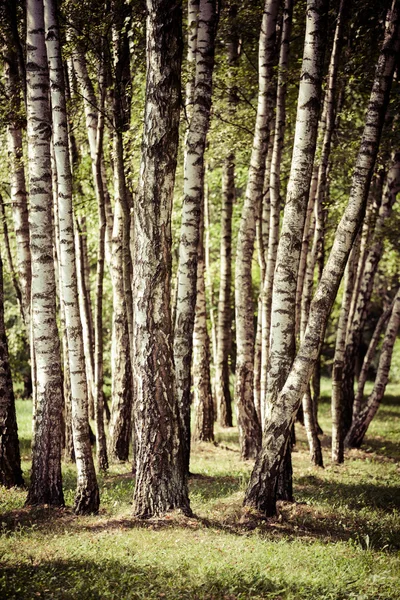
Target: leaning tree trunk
{"type": "Point", "coordinates": [361, 423]}
{"type": "Point", "coordinates": [362, 379]}
{"type": "Point", "coordinates": [10, 460]}
{"type": "Point", "coordinates": [87, 497]}
{"type": "Point", "coordinates": [193, 192]}
{"type": "Point", "coordinates": [248, 423]}
{"type": "Point", "coordinates": [161, 471]}
{"type": "Point", "coordinates": [45, 486]}
{"type": "Point", "coordinates": [224, 326]}
{"type": "Point", "coordinates": [261, 492]}
{"type": "Point", "coordinates": [283, 315]}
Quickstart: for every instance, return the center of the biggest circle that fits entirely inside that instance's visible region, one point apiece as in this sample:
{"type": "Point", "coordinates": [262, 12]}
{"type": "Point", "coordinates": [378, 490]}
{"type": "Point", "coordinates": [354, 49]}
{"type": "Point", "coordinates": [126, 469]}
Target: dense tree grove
{"type": "Point", "coordinates": [199, 218]}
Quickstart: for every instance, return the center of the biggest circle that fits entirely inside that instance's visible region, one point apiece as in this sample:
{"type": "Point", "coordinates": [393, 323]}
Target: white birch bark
{"type": "Point", "coordinates": [193, 192]}
{"type": "Point", "coordinates": [260, 493]}
{"type": "Point", "coordinates": [45, 486]}
{"type": "Point", "coordinates": [248, 423]}
{"type": "Point", "coordinates": [275, 198]}
{"type": "Point", "coordinates": [282, 342]}
{"type": "Point", "coordinates": [87, 494]}
{"type": "Point", "coordinates": [161, 472]}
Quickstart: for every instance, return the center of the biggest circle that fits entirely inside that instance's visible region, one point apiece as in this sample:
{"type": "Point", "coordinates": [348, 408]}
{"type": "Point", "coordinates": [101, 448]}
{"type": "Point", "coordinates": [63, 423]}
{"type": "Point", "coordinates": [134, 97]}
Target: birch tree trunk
{"type": "Point", "coordinates": [338, 361]}
{"type": "Point", "coordinates": [275, 198]}
{"type": "Point", "coordinates": [18, 193]}
{"type": "Point", "coordinates": [283, 315]}
{"type": "Point", "coordinates": [193, 194]}
{"type": "Point", "coordinates": [45, 486]}
{"type": "Point", "coordinates": [224, 323]}
{"type": "Point", "coordinates": [203, 430]}
{"type": "Point", "coordinates": [10, 460]}
{"type": "Point", "coordinates": [161, 471]}
{"type": "Point", "coordinates": [362, 421]}
{"type": "Point", "coordinates": [87, 497]}
{"type": "Point", "coordinates": [261, 491]}
{"type": "Point", "coordinates": [362, 379]}
{"type": "Point", "coordinates": [248, 423]}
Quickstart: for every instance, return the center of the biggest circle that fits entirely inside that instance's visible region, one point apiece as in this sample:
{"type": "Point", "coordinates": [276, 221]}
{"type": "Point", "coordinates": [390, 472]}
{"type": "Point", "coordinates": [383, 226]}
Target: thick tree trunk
{"type": "Point", "coordinates": [161, 471]}
{"type": "Point", "coordinates": [193, 193]}
{"type": "Point", "coordinates": [261, 492]}
{"type": "Point", "coordinates": [361, 423]}
{"type": "Point", "coordinates": [10, 460]}
{"type": "Point", "coordinates": [45, 486]}
{"type": "Point", "coordinates": [87, 493]}
{"type": "Point", "coordinates": [249, 425]}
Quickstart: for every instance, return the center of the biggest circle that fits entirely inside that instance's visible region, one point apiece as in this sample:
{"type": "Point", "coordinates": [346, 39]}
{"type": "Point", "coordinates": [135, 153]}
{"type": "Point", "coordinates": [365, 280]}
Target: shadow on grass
{"type": "Point", "coordinates": [354, 496]}
{"type": "Point", "coordinates": [72, 579]}
{"type": "Point", "coordinates": [209, 488]}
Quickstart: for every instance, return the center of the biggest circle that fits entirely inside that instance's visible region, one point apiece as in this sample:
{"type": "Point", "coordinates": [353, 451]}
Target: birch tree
{"type": "Point", "coordinates": [193, 193]}
{"type": "Point", "coordinates": [10, 460]}
{"type": "Point", "coordinates": [261, 492]}
{"type": "Point", "coordinates": [161, 470]}
{"type": "Point", "coordinates": [248, 423]}
{"type": "Point", "coordinates": [45, 486]}
{"type": "Point", "coordinates": [87, 493]}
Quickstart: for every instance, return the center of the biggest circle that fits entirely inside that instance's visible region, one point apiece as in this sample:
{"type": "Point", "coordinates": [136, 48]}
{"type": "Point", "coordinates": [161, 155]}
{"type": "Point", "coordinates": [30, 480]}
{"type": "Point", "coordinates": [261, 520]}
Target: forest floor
{"type": "Point", "coordinates": [339, 540]}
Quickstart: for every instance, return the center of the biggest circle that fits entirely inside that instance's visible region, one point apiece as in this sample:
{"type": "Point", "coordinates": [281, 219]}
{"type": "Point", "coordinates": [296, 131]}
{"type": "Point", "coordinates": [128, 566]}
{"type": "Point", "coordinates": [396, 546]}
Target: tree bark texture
{"type": "Point", "coordinates": [224, 324]}
{"type": "Point", "coordinates": [161, 470]}
{"type": "Point", "coordinates": [248, 423]}
{"type": "Point", "coordinates": [203, 430]}
{"type": "Point", "coordinates": [338, 361]}
{"type": "Point", "coordinates": [10, 460]}
{"type": "Point", "coordinates": [193, 194]}
{"type": "Point", "coordinates": [275, 197]}
{"type": "Point", "coordinates": [260, 493]}
{"type": "Point", "coordinates": [87, 497]}
{"type": "Point", "coordinates": [45, 486]}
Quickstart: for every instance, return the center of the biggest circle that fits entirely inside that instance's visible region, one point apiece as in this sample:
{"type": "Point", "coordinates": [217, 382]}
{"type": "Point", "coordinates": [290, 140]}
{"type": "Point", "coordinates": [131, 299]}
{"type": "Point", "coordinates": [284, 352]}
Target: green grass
{"type": "Point", "coordinates": [340, 540]}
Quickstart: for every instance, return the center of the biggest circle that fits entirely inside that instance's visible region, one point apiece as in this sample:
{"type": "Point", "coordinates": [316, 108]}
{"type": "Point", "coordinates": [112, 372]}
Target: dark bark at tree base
{"type": "Point", "coordinates": [87, 501]}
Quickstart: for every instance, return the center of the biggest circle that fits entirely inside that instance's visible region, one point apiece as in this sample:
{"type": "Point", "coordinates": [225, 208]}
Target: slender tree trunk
{"type": "Point", "coordinates": [362, 379]}
{"type": "Point", "coordinates": [275, 199]}
{"type": "Point", "coordinates": [283, 317]}
{"type": "Point", "coordinates": [193, 193]}
{"type": "Point", "coordinates": [102, 457]}
{"type": "Point", "coordinates": [18, 193]}
{"type": "Point", "coordinates": [362, 421]}
{"type": "Point", "coordinates": [203, 430]}
{"type": "Point", "coordinates": [161, 470]}
{"type": "Point", "coordinates": [85, 314]}
{"type": "Point", "coordinates": [261, 491]}
{"type": "Point", "coordinates": [249, 426]}
{"type": "Point", "coordinates": [224, 326]}
{"type": "Point", "coordinates": [45, 485]}
{"type": "Point", "coordinates": [10, 460]}
{"type": "Point", "coordinates": [87, 493]}
{"type": "Point", "coordinates": [338, 362]}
